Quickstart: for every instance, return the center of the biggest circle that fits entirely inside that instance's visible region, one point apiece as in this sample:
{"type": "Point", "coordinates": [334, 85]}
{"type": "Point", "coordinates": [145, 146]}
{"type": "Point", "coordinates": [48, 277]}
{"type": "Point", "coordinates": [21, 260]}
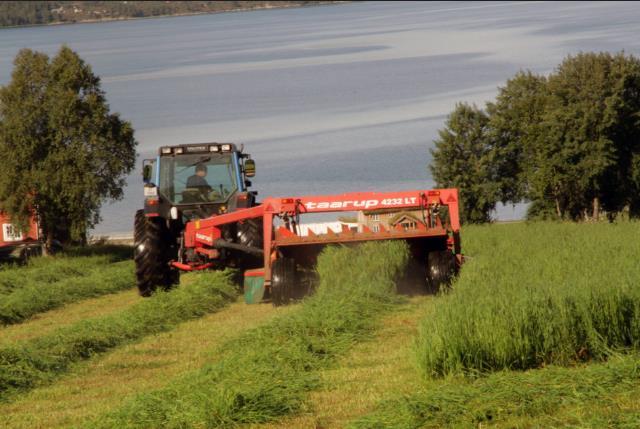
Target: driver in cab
{"type": "Point", "coordinates": [198, 184]}
{"type": "Point", "coordinates": [198, 180]}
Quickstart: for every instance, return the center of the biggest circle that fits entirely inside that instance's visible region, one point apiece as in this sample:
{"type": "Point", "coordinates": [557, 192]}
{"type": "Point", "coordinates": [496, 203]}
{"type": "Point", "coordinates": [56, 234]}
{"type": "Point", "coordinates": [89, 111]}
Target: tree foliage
{"type": "Point", "coordinates": [514, 125]}
{"type": "Point", "coordinates": [63, 152]}
{"type": "Point", "coordinates": [461, 160]}
{"type": "Point", "coordinates": [568, 143]}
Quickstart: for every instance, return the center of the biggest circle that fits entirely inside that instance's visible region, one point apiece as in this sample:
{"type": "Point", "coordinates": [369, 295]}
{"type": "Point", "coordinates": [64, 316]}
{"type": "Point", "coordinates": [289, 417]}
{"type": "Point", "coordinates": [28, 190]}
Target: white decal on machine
{"type": "Point", "coordinates": [362, 204]}
{"type": "Point", "coordinates": [204, 238]}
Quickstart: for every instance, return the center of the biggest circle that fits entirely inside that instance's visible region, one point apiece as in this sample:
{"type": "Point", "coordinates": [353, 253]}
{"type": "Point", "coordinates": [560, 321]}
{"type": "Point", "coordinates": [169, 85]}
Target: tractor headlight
{"type": "Point", "coordinates": [214, 148]}
{"type": "Point", "coordinates": [174, 213]}
{"type": "Point", "coordinates": [178, 150]}
{"type": "Point", "coordinates": [226, 147]}
{"type": "Point", "coordinates": [166, 150]}
{"type": "Point", "coordinates": [150, 191]}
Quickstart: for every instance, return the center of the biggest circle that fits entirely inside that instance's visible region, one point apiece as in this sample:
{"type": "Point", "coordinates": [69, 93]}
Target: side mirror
{"type": "Point", "coordinates": [249, 168]}
{"type": "Point", "coordinates": [146, 173]}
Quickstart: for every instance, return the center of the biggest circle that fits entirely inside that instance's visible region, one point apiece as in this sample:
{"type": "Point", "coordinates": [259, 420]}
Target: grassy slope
{"type": "Point", "coordinates": [366, 374]}
{"type": "Point", "coordinates": [587, 396]}
{"type": "Point", "coordinates": [47, 270]}
{"type": "Point", "coordinates": [573, 258]}
{"type": "Point", "coordinates": [267, 373]}
{"type": "Point", "coordinates": [34, 295]}
{"type": "Point", "coordinates": [45, 323]}
{"type": "Point", "coordinates": [75, 262]}
{"type": "Point", "coordinates": [537, 294]}
{"type": "Point", "coordinates": [37, 361]}
{"type": "Point", "coordinates": [106, 382]}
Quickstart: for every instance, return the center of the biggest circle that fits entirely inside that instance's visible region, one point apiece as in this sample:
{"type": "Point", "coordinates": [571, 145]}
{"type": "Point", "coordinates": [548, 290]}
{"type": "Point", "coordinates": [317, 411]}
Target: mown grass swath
{"type": "Point", "coordinates": [594, 395]}
{"type": "Point", "coordinates": [266, 373]}
{"type": "Point", "coordinates": [34, 296]}
{"type": "Point", "coordinates": [75, 262]}
{"type": "Point", "coordinates": [534, 294]}
{"type": "Point", "coordinates": [36, 361]}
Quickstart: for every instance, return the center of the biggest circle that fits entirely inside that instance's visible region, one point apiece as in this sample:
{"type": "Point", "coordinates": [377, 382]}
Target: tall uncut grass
{"type": "Point", "coordinates": [266, 373]}
{"type": "Point", "coordinates": [534, 294]}
{"type": "Point", "coordinates": [34, 362]}
{"type": "Point", "coordinates": [34, 296]}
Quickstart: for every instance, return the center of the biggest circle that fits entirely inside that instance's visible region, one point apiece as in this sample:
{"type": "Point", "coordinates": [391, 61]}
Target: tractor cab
{"type": "Point", "coordinates": [195, 181]}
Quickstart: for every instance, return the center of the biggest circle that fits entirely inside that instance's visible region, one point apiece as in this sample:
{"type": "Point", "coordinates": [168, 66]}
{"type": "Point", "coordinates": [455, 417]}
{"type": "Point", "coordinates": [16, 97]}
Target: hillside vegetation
{"type": "Point", "coordinates": [13, 13]}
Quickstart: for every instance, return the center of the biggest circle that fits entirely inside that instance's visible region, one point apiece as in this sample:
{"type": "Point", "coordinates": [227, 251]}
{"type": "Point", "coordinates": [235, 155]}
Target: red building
{"type": "Point", "coordinates": [16, 243]}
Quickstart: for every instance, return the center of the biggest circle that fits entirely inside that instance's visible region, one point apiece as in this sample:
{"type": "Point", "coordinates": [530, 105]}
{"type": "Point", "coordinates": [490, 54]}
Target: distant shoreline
{"type": "Point", "coordinates": [175, 15]}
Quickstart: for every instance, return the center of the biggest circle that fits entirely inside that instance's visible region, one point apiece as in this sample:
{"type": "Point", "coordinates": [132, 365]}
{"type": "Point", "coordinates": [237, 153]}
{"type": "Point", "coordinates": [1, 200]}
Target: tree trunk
{"type": "Point", "coordinates": [596, 209]}
{"type": "Point", "coordinates": [48, 243]}
{"type": "Point", "coordinates": [558, 211]}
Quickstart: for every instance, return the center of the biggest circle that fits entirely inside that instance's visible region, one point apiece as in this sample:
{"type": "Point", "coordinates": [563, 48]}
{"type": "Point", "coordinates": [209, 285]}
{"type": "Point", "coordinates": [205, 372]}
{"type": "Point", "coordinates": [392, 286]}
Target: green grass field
{"type": "Point", "coordinates": [541, 329]}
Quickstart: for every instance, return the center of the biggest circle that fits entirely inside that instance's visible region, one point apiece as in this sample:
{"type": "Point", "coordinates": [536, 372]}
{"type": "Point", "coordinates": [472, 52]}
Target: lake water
{"type": "Point", "coordinates": [327, 99]}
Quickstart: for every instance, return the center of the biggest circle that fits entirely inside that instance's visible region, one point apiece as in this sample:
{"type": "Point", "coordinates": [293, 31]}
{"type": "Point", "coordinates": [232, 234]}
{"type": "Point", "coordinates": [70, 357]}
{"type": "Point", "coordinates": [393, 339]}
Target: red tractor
{"type": "Point", "coordinates": [16, 244]}
{"type": "Point", "coordinates": [200, 214]}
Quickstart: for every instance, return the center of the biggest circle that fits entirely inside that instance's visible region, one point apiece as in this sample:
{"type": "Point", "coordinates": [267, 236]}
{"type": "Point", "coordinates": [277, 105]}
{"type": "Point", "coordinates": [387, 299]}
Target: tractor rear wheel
{"type": "Point", "coordinates": [152, 256]}
{"type": "Point", "coordinates": [441, 267]}
{"type": "Point", "coordinates": [283, 281]}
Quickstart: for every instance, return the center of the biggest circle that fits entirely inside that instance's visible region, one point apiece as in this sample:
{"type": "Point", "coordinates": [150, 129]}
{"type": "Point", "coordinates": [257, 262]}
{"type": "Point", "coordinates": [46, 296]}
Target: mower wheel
{"type": "Point", "coordinates": [283, 281]}
{"type": "Point", "coordinates": [441, 267]}
{"type": "Point", "coordinates": [151, 255]}
{"type": "Point", "coordinates": [249, 233]}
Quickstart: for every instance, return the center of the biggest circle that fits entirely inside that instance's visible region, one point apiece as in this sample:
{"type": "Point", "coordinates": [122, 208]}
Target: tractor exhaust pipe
{"type": "Point", "coordinates": [223, 244]}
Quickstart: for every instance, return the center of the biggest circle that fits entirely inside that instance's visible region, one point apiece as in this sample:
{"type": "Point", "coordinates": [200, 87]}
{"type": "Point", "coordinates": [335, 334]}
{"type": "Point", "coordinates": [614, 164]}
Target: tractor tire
{"type": "Point", "coordinates": [29, 251]}
{"type": "Point", "coordinates": [151, 255]}
{"type": "Point", "coordinates": [283, 281]}
{"type": "Point", "coordinates": [249, 233]}
{"type": "Point", "coordinates": [23, 257]}
{"type": "Point", "coordinates": [441, 267]}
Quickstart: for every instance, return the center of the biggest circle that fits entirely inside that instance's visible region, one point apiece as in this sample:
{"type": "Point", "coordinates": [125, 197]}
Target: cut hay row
{"type": "Point", "coordinates": [587, 396]}
{"type": "Point", "coordinates": [535, 294]}
{"type": "Point", "coordinates": [67, 315]}
{"type": "Point", "coordinates": [44, 271]}
{"type": "Point", "coordinates": [103, 384]}
{"type": "Point", "coordinates": [365, 375]}
{"type": "Point", "coordinates": [267, 373]}
{"type": "Point", "coordinates": [34, 362]}
{"type": "Point", "coordinates": [35, 297]}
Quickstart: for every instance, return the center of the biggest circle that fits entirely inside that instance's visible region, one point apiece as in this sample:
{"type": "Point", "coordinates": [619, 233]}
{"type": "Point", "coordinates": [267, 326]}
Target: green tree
{"type": "Point", "coordinates": [63, 152]}
{"type": "Point", "coordinates": [461, 159]}
{"type": "Point", "coordinates": [588, 144]}
{"type": "Point", "coordinates": [514, 127]}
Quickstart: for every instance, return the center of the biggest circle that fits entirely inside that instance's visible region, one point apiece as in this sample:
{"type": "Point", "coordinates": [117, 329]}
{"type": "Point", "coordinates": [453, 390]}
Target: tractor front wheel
{"type": "Point", "coordinates": [152, 242]}
{"type": "Point", "coordinates": [441, 267]}
{"type": "Point", "coordinates": [283, 281]}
